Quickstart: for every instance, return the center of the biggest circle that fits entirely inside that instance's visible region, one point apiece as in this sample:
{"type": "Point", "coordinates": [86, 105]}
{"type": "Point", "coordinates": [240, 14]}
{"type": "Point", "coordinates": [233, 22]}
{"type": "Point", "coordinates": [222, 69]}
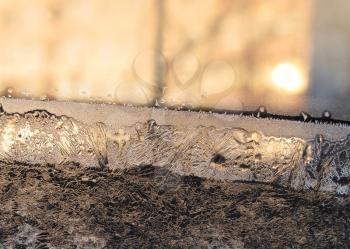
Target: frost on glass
{"type": "Point", "coordinates": [235, 154]}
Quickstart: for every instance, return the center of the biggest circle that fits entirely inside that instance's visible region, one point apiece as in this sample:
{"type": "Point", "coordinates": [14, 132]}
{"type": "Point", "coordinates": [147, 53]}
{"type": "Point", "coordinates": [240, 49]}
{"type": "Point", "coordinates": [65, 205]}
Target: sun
{"type": "Point", "coordinates": [288, 78]}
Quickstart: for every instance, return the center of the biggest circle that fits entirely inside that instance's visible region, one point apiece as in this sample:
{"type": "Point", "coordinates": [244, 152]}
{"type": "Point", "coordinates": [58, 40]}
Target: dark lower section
{"type": "Point", "coordinates": [149, 207]}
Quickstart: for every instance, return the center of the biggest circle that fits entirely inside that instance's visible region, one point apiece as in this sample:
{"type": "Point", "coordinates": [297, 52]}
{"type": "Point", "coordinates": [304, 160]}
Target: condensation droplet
{"type": "Point", "coordinates": [146, 63]}
{"type": "Point", "coordinates": [217, 79]}
{"type": "Point", "coordinates": [156, 103]}
{"type": "Point", "coordinates": [133, 92]}
{"type": "Point", "coordinates": [261, 111]}
{"type": "Point", "coordinates": [305, 116]}
{"type": "Point", "coordinates": [186, 68]}
{"type": "Point", "coordinates": [326, 114]}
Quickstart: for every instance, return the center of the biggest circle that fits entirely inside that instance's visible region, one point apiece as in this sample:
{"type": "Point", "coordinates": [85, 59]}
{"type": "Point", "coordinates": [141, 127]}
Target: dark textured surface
{"type": "Point", "coordinates": [149, 207]}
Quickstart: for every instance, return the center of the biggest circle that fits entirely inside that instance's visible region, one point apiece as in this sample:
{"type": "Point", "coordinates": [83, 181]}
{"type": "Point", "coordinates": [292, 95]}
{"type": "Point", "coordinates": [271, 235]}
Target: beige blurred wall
{"type": "Point", "coordinates": [201, 52]}
{"type": "Point", "coordinates": [72, 49]}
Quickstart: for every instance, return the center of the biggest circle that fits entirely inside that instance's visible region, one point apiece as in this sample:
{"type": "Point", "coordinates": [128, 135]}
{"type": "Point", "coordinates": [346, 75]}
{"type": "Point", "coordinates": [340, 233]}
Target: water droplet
{"type": "Point", "coordinates": [224, 77]}
{"type": "Point", "coordinates": [132, 92]}
{"type": "Point", "coordinates": [146, 63]}
{"type": "Point", "coordinates": [156, 103]}
{"type": "Point", "coordinates": [326, 114]}
{"type": "Point", "coordinates": [261, 111]}
{"type": "Point", "coordinates": [186, 68]}
{"type": "Point", "coordinates": [305, 116]}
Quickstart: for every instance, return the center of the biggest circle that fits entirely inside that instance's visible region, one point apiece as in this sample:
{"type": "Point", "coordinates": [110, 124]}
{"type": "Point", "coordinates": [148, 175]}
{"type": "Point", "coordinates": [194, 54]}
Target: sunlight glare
{"type": "Point", "coordinates": [287, 77]}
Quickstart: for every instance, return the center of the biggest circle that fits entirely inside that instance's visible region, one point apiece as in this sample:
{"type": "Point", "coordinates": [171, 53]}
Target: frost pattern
{"type": "Point", "coordinates": [235, 154]}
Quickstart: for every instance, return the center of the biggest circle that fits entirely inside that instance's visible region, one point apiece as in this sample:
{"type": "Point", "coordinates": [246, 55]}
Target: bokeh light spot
{"type": "Point", "coordinates": [288, 78]}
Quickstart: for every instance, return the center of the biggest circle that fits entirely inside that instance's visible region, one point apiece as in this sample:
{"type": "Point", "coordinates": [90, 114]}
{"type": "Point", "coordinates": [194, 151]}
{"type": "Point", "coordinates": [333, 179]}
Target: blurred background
{"type": "Point", "coordinates": [288, 55]}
